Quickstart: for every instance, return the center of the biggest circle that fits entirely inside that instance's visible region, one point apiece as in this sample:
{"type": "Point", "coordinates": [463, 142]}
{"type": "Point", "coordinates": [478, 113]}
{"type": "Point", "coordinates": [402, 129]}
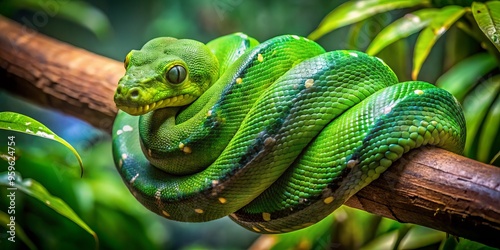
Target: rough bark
{"type": "Point", "coordinates": [431, 187]}
{"type": "Point", "coordinates": [57, 75]}
{"type": "Point", "coordinates": [435, 188]}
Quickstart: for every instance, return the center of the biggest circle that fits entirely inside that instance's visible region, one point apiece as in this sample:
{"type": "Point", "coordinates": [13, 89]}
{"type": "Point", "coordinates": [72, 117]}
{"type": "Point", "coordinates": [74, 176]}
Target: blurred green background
{"type": "Point", "coordinates": [112, 28]}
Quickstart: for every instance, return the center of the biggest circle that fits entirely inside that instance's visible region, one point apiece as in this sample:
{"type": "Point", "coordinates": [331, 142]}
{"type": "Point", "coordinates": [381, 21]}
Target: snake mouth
{"type": "Point", "coordinates": [175, 101]}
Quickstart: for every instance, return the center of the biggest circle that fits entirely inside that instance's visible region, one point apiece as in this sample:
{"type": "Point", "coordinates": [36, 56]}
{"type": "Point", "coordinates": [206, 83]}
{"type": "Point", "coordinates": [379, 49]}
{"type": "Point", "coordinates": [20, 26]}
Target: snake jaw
{"type": "Point", "coordinates": [175, 101]}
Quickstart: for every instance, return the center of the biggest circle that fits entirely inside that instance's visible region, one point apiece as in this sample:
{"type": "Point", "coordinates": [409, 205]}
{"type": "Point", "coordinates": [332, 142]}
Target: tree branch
{"type": "Point", "coordinates": [430, 187]}
{"type": "Point", "coordinates": [58, 75]}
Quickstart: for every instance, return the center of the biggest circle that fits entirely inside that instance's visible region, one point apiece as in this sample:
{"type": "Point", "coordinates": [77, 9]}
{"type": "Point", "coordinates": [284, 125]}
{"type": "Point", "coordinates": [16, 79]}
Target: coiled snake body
{"type": "Point", "coordinates": [277, 135]}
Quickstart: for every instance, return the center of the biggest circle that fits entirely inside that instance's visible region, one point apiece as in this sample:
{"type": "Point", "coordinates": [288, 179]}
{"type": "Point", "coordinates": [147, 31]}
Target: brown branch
{"type": "Point", "coordinates": [430, 187]}
{"type": "Point", "coordinates": [58, 75]}
{"type": "Point", "coordinates": [436, 188]}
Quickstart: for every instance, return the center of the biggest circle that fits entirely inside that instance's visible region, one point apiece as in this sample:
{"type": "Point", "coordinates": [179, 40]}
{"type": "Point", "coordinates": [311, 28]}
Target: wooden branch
{"type": "Point", "coordinates": [431, 187]}
{"type": "Point", "coordinates": [436, 188]}
{"type": "Point", "coordinates": [58, 75]}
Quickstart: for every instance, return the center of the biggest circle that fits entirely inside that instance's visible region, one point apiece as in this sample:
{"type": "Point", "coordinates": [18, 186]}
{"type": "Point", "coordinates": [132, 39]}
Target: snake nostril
{"type": "Point", "coordinates": [134, 93]}
{"type": "Point", "coordinates": [119, 90]}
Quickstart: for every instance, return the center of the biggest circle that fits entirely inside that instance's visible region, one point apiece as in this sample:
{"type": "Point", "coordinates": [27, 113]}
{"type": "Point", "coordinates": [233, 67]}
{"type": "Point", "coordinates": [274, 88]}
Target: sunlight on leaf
{"type": "Point", "coordinates": [489, 132]}
{"type": "Point", "coordinates": [355, 11]}
{"type": "Point", "coordinates": [419, 237]}
{"type": "Point", "coordinates": [428, 37]}
{"type": "Point", "coordinates": [382, 241]}
{"type": "Point", "coordinates": [5, 220]}
{"type": "Point", "coordinates": [24, 124]}
{"type": "Point", "coordinates": [409, 24]}
{"type": "Point", "coordinates": [487, 16]}
{"type": "Point", "coordinates": [476, 106]}
{"type": "Point", "coordinates": [462, 77]}
{"type": "Point", "coordinates": [37, 191]}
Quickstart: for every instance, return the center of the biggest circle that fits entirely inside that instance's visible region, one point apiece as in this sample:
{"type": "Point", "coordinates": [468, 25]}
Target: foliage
{"type": "Point", "coordinates": [79, 12]}
{"type": "Point", "coordinates": [12, 179]}
{"type": "Point", "coordinates": [24, 124]}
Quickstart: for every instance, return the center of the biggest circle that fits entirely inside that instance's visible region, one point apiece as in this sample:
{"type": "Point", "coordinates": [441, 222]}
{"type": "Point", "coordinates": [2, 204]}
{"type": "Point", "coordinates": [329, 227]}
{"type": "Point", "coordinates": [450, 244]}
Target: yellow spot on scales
{"type": "Point", "coordinates": [266, 216]}
{"type": "Point", "coordinates": [255, 229]}
{"type": "Point", "coordinates": [309, 83]}
{"type": "Point", "coordinates": [222, 200]}
{"type": "Point", "coordinates": [328, 200]}
{"type": "Point", "coordinates": [418, 92]}
{"type": "Point", "coordinates": [239, 80]}
{"type": "Point", "coordinates": [198, 210]}
{"type": "Point", "coordinates": [260, 58]}
{"type": "Point", "coordinates": [187, 150]}
{"type": "Point", "coordinates": [165, 213]}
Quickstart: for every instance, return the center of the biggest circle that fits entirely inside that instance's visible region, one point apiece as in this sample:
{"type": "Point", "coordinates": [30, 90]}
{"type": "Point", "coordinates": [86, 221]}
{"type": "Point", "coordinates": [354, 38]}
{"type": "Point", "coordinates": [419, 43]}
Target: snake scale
{"type": "Point", "coordinates": [277, 135]}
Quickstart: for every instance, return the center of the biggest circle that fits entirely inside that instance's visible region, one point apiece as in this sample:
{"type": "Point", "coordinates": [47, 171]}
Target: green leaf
{"type": "Point", "coordinates": [5, 220]}
{"type": "Point", "coordinates": [450, 243]}
{"type": "Point", "coordinates": [460, 79]}
{"type": "Point", "coordinates": [37, 191]}
{"type": "Point", "coordinates": [465, 244]}
{"type": "Point", "coordinates": [402, 233]}
{"type": "Point", "coordinates": [87, 16]}
{"type": "Point", "coordinates": [312, 237]}
{"type": "Point", "coordinates": [361, 33]}
{"type": "Point", "coordinates": [397, 57]}
{"type": "Point", "coordinates": [459, 44]}
{"type": "Point", "coordinates": [409, 24]}
{"type": "Point", "coordinates": [476, 106]}
{"type": "Point", "coordinates": [497, 156]}
{"type": "Point", "coordinates": [355, 11]}
{"type": "Point", "coordinates": [420, 237]}
{"type": "Point", "coordinates": [428, 37]}
{"type": "Point", "coordinates": [490, 129]}
{"type": "Point", "coordinates": [79, 12]}
{"type": "Point", "coordinates": [487, 16]}
{"type": "Point", "coordinates": [24, 124]}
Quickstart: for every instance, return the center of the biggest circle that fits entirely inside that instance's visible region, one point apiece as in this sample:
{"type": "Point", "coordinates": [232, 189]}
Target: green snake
{"type": "Point", "coordinates": [276, 135]}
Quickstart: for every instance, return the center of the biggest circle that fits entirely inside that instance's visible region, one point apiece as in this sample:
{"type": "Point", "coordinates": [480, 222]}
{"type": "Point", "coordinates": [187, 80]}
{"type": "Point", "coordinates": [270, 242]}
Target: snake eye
{"type": "Point", "coordinates": [176, 74]}
{"type": "Point", "coordinates": [127, 60]}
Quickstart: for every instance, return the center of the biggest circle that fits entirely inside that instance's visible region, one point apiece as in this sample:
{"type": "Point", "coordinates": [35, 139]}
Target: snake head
{"type": "Point", "coordinates": [165, 72]}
